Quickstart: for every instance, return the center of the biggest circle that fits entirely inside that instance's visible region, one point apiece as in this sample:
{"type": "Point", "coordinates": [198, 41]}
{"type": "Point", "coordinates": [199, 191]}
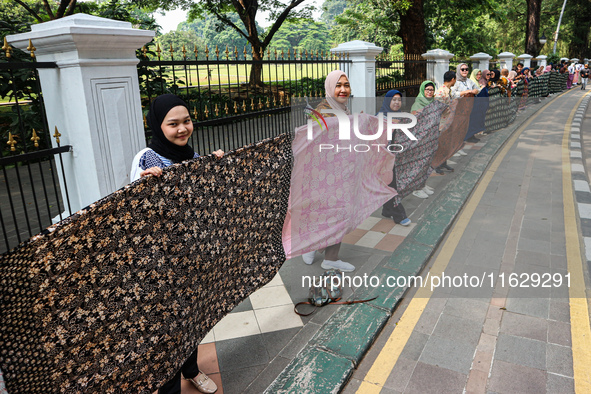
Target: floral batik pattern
{"type": "Point", "coordinates": [413, 164]}
{"type": "Point", "coordinates": [115, 298]}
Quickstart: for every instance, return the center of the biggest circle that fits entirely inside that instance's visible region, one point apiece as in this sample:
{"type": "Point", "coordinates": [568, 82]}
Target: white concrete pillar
{"type": "Point", "coordinates": [92, 97]}
{"type": "Point", "coordinates": [440, 65]}
{"type": "Point", "coordinates": [362, 73]}
{"type": "Point", "coordinates": [525, 59]}
{"type": "Point", "coordinates": [506, 60]}
{"type": "Point", "coordinates": [542, 60]}
{"type": "Point", "coordinates": [480, 60]}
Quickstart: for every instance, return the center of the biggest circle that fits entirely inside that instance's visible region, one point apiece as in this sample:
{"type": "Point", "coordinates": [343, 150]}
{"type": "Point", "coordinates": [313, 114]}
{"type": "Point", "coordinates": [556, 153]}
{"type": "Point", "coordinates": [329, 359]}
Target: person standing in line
{"type": "Point", "coordinates": [584, 77]}
{"type": "Point", "coordinates": [443, 94]}
{"type": "Point", "coordinates": [171, 126]}
{"type": "Point", "coordinates": [392, 103]}
{"type": "Point", "coordinates": [338, 91]}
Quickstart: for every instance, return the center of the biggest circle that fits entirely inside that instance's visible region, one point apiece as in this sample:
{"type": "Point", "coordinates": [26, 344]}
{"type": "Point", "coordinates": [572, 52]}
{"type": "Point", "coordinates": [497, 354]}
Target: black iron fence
{"type": "Point", "coordinates": [30, 191]}
{"type": "Point", "coordinates": [405, 73]}
{"type": "Point", "coordinates": [236, 97]}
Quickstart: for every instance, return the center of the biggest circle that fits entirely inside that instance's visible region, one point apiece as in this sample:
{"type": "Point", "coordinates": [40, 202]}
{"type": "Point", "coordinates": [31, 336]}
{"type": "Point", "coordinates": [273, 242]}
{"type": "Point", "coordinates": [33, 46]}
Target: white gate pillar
{"type": "Point", "coordinates": [93, 99]}
{"type": "Point", "coordinates": [439, 66]}
{"type": "Point", "coordinates": [480, 60]}
{"type": "Point", "coordinates": [506, 60]}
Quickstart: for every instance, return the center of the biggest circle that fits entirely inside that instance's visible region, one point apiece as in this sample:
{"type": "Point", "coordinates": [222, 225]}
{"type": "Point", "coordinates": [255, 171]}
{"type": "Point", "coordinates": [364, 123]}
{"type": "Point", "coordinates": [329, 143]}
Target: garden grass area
{"type": "Point", "coordinates": [237, 75]}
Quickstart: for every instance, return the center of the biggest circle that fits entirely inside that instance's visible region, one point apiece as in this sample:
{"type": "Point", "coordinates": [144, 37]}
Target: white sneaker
{"type": "Point", "coordinates": [428, 188]}
{"type": "Point", "coordinates": [427, 191]}
{"type": "Point", "coordinates": [339, 264]}
{"type": "Point", "coordinates": [453, 163]}
{"type": "Point", "coordinates": [457, 154]}
{"type": "Point", "coordinates": [420, 194]}
{"type": "Point", "coordinates": [462, 153]}
{"type": "Point", "coordinates": [308, 257]}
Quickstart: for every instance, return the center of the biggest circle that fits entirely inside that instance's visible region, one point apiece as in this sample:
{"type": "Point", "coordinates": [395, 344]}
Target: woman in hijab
{"type": "Point", "coordinates": [170, 121]}
{"type": "Point", "coordinates": [475, 76]}
{"type": "Point", "coordinates": [425, 97]}
{"type": "Point", "coordinates": [495, 76]}
{"type": "Point", "coordinates": [392, 103]}
{"type": "Point", "coordinates": [512, 78]}
{"type": "Point", "coordinates": [484, 78]}
{"type": "Point", "coordinates": [338, 91]}
{"type": "Point", "coordinates": [463, 86]}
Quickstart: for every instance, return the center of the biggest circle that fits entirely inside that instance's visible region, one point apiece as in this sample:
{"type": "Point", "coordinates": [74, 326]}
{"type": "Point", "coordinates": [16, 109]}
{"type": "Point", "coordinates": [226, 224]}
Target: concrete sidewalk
{"type": "Point", "coordinates": [520, 222]}
{"type": "Point", "coordinates": [264, 346]}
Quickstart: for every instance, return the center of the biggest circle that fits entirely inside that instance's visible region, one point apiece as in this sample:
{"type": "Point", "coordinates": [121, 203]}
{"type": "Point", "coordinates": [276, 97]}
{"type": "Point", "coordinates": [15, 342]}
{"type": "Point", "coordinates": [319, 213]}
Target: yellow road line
{"type": "Point", "coordinates": [384, 363]}
{"type": "Point", "coordinates": [579, 312]}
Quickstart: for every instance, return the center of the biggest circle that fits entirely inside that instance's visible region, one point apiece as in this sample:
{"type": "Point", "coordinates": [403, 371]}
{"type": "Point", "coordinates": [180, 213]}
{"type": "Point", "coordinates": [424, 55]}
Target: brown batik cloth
{"type": "Point", "coordinates": [116, 297]}
{"type": "Point", "coordinates": [451, 138]}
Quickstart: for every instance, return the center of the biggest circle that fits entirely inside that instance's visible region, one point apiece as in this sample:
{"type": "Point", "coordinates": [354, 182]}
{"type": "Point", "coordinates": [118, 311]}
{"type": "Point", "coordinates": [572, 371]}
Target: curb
{"type": "Point", "coordinates": [580, 181]}
{"type": "Point", "coordinates": [326, 363]}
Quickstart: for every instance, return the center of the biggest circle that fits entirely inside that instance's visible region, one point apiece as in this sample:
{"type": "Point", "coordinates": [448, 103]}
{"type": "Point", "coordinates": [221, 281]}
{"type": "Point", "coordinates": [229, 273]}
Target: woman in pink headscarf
{"type": "Point", "coordinates": [338, 91]}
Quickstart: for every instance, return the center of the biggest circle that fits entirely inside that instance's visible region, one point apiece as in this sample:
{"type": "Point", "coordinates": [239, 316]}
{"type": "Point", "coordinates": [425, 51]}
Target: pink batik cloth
{"type": "Point", "coordinates": [333, 192]}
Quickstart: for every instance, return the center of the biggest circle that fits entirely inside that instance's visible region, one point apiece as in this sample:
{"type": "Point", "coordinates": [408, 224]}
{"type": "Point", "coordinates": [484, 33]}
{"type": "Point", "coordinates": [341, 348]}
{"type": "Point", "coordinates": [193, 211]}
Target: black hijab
{"type": "Point", "coordinates": [159, 144]}
{"type": "Point", "coordinates": [495, 77]}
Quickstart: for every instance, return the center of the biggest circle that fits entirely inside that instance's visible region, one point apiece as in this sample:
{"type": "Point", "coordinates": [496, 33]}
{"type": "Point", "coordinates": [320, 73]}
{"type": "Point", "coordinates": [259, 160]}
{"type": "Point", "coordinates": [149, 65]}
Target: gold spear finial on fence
{"type": "Point", "coordinates": [275, 54]}
{"type": "Point", "coordinates": [244, 106]}
{"type": "Point", "coordinates": [144, 51]}
{"type": "Point", "coordinates": [196, 51]}
{"type": "Point", "coordinates": [268, 103]}
{"type": "Point", "coordinates": [6, 48]}
{"type": "Point", "coordinates": [252, 104]}
{"type": "Point", "coordinates": [145, 122]}
{"type": "Point", "coordinates": [260, 104]}
{"type": "Point", "coordinates": [217, 53]}
{"type": "Point", "coordinates": [227, 53]}
{"type": "Point", "coordinates": [171, 50]}
{"type": "Point", "coordinates": [236, 52]}
{"type": "Point", "coordinates": [57, 135]}
{"type": "Point", "coordinates": [184, 51]}
{"type": "Point", "coordinates": [226, 109]}
{"type": "Point", "coordinates": [31, 49]}
{"type": "Point", "coordinates": [217, 110]}
{"type": "Point", "coordinates": [206, 52]}
{"type": "Point", "coordinates": [158, 50]}
{"type": "Point", "coordinates": [11, 142]}
{"type": "Point", "coordinates": [245, 53]}
{"type": "Point", "coordinates": [195, 113]}
{"type": "Point", "coordinates": [282, 54]}
{"type": "Point", "coordinates": [206, 112]}
{"type": "Point", "coordinates": [262, 53]}
{"type": "Point", "coordinates": [35, 138]}
{"type": "Point", "coordinates": [235, 107]}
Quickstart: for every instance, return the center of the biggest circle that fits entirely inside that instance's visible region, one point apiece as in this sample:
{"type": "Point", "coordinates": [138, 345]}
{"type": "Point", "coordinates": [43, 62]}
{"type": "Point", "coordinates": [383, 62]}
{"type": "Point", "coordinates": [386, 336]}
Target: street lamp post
{"type": "Point", "coordinates": [558, 28]}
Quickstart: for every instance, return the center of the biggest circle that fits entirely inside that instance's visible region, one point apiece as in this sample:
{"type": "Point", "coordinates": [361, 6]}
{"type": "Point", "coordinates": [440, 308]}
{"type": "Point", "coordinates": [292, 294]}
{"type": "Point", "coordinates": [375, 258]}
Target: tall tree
{"type": "Point", "coordinates": [412, 33]}
{"type": "Point", "coordinates": [532, 27]}
{"type": "Point", "coordinates": [247, 10]}
{"type": "Point", "coordinates": [53, 9]}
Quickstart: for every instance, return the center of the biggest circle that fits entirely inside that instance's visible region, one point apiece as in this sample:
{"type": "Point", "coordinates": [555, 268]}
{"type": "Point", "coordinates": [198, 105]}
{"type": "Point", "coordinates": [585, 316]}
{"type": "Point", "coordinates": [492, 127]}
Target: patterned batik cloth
{"type": "Point", "coordinates": [413, 164]}
{"type": "Point", "coordinates": [451, 137]}
{"type": "Point", "coordinates": [333, 192]}
{"type": "Point", "coordinates": [115, 298]}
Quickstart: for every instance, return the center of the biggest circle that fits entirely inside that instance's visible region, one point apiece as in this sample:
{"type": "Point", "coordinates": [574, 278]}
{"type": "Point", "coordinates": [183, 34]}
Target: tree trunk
{"type": "Point", "coordinates": [255, 79]}
{"type": "Point", "coordinates": [412, 33]}
{"type": "Point", "coordinates": [532, 27]}
{"type": "Point", "coordinates": [580, 46]}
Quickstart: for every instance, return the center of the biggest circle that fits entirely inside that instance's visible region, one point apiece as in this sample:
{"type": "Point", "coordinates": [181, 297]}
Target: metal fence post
{"type": "Point", "coordinates": [438, 66]}
{"type": "Point", "coordinates": [362, 74]}
{"type": "Point", "coordinates": [92, 98]}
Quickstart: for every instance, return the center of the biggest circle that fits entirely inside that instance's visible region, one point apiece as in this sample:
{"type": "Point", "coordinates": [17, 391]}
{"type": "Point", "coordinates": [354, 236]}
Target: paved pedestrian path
{"type": "Point", "coordinates": [522, 325]}
{"type": "Point", "coordinates": [263, 346]}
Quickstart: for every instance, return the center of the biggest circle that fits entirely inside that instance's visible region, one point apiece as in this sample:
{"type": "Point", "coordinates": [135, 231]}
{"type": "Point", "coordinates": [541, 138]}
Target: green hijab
{"type": "Point", "coordinates": [422, 101]}
{"type": "Point", "coordinates": [473, 77]}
